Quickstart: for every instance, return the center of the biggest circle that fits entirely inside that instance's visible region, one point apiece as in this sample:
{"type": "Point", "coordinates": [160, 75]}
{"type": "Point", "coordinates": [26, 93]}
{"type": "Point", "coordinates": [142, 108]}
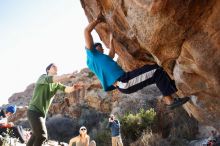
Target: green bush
{"type": "Point", "coordinates": [132, 125]}
{"type": "Point", "coordinates": [90, 74]}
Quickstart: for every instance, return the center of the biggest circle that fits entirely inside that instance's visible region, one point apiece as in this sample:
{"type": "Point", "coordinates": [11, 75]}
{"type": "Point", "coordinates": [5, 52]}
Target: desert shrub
{"type": "Point", "coordinates": [6, 139]}
{"type": "Point", "coordinates": [90, 74]}
{"type": "Point", "coordinates": [132, 125]}
{"type": "Point", "coordinates": [150, 139]}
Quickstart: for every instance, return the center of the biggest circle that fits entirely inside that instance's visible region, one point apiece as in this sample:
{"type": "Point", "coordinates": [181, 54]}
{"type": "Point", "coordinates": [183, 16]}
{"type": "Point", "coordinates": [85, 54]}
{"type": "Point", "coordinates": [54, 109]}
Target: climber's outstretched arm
{"type": "Point", "coordinates": [87, 32]}
{"type": "Point", "coordinates": [111, 47]}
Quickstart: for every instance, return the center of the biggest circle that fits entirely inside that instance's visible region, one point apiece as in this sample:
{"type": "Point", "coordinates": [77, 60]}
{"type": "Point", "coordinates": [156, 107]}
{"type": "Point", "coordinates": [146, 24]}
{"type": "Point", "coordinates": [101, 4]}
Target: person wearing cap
{"type": "Point", "coordinates": [45, 88]}
{"type": "Point", "coordinates": [82, 139]}
{"type": "Point", "coordinates": [114, 124]}
{"type": "Point", "coordinates": [112, 76]}
{"type": "Point", "coordinates": [5, 114]}
{"type": "Point", "coordinates": [15, 131]}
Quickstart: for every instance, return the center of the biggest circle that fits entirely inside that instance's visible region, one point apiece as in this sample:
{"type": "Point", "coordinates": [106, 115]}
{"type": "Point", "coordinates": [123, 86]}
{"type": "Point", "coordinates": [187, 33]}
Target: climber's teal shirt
{"type": "Point", "coordinates": [104, 67]}
{"type": "Point", "coordinates": [44, 93]}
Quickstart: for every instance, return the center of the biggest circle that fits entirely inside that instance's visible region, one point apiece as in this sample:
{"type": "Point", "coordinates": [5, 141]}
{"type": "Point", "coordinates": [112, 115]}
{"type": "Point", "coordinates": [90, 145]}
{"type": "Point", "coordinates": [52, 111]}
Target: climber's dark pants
{"type": "Point", "coordinates": [15, 132]}
{"type": "Point", "coordinates": [38, 126]}
{"type": "Point", "coordinates": [149, 74]}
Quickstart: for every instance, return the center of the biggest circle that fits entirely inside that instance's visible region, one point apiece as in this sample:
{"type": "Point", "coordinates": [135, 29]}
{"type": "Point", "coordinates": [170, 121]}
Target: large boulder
{"type": "Point", "coordinates": [181, 36]}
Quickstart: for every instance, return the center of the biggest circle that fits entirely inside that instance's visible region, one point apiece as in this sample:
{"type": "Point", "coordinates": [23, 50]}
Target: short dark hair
{"type": "Point", "coordinates": [97, 44]}
{"type": "Point", "coordinates": [48, 67]}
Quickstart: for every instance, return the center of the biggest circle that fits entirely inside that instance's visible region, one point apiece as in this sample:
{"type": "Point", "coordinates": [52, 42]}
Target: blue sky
{"type": "Point", "coordinates": [35, 33]}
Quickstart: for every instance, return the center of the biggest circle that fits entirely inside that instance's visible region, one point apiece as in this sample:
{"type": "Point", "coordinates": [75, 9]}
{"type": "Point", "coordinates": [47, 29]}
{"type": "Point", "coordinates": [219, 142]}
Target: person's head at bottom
{"type": "Point", "coordinates": [92, 143]}
{"type": "Point", "coordinates": [82, 131]}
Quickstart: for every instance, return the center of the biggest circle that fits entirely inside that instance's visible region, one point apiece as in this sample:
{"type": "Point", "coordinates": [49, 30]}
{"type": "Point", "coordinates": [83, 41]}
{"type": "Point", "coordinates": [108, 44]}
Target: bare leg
{"type": "Point", "coordinates": [167, 100]}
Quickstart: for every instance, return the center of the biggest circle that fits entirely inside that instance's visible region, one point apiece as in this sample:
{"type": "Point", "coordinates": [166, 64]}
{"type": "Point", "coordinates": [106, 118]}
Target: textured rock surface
{"type": "Point", "coordinates": [22, 98]}
{"type": "Point", "coordinates": [182, 36]}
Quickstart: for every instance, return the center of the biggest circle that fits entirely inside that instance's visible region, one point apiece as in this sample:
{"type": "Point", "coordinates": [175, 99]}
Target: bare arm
{"type": "Point", "coordinates": [62, 78]}
{"type": "Point", "coordinates": [111, 47]}
{"type": "Point", "coordinates": [75, 139]}
{"type": "Point", "coordinates": [87, 140]}
{"type": "Point", "coordinates": [87, 32]}
{"type": "Point", "coordinates": [70, 89]}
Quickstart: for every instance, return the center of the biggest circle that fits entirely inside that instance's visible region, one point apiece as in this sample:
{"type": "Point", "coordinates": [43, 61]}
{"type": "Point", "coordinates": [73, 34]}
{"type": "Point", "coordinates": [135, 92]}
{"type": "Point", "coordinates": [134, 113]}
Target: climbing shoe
{"type": "Point", "coordinates": [178, 102]}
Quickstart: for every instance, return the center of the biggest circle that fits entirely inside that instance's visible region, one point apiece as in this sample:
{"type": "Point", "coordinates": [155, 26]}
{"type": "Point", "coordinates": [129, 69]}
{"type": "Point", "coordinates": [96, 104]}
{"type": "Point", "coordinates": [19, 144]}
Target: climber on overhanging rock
{"type": "Point", "coordinates": [112, 76]}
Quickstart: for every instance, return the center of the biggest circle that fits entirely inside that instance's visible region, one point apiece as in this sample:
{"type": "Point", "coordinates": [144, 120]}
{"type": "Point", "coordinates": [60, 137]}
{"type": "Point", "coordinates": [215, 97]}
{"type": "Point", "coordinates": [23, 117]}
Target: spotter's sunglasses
{"type": "Point", "coordinates": [83, 129]}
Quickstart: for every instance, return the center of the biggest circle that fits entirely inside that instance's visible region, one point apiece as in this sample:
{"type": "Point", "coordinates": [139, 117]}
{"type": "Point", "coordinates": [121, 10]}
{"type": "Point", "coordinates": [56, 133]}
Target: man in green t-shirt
{"type": "Point", "coordinates": [45, 89]}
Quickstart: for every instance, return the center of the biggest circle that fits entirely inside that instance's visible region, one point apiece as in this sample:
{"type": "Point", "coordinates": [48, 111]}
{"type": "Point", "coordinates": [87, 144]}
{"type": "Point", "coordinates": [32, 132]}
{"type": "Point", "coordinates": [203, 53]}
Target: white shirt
{"type": "Point", "coordinates": [3, 120]}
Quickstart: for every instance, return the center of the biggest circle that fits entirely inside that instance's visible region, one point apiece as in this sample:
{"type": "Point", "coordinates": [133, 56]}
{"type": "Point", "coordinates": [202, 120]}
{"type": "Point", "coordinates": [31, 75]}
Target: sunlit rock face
{"type": "Point", "coordinates": [22, 98]}
{"type": "Point", "coordinates": [182, 36]}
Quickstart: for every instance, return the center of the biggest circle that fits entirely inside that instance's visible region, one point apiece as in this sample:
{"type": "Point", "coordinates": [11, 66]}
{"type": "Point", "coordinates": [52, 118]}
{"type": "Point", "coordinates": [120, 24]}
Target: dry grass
{"type": "Point", "coordinates": [150, 139]}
